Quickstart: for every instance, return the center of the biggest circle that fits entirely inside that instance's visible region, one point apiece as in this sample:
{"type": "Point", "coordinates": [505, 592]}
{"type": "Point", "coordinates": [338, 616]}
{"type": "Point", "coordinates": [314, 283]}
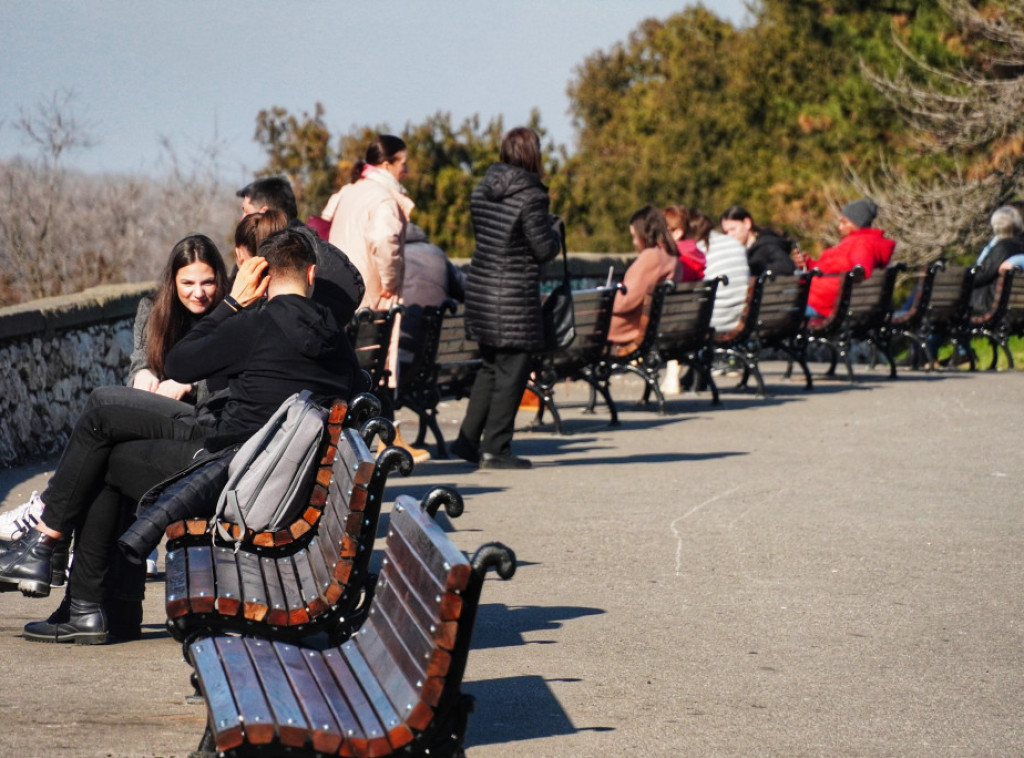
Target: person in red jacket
{"type": "Point", "coordinates": [860, 245]}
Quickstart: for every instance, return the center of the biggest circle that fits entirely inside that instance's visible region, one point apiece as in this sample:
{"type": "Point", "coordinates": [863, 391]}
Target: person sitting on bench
{"type": "Point", "coordinates": [268, 354]}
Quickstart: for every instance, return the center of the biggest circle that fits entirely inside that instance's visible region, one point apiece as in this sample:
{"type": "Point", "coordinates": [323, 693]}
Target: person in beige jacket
{"type": "Point", "coordinates": [368, 218]}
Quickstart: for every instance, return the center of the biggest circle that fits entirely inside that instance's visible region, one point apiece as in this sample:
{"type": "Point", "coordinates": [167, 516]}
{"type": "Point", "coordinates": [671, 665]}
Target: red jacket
{"type": "Point", "coordinates": [692, 261]}
{"type": "Point", "coordinates": [864, 247]}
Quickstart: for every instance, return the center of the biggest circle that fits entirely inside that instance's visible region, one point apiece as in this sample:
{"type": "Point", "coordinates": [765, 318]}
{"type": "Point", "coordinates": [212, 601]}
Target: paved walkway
{"type": "Point", "coordinates": [832, 573]}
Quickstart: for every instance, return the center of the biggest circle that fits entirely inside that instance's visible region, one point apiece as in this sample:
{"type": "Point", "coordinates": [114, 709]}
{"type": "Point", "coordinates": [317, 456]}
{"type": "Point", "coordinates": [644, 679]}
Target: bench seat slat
{"type": "Point", "coordinates": [445, 563]}
{"type": "Point", "coordinates": [324, 729]}
{"type": "Point", "coordinates": [309, 589]}
{"type": "Point", "coordinates": [253, 708]}
{"type": "Point", "coordinates": [201, 591]}
{"type": "Point", "coordinates": [288, 718]}
{"type": "Point", "coordinates": [255, 602]}
{"type": "Point", "coordinates": [225, 719]}
{"type": "Point", "coordinates": [371, 736]}
{"type": "Point", "coordinates": [297, 613]}
{"type": "Point", "coordinates": [176, 588]}
{"type": "Point", "coordinates": [277, 610]}
{"type": "Point", "coordinates": [397, 733]}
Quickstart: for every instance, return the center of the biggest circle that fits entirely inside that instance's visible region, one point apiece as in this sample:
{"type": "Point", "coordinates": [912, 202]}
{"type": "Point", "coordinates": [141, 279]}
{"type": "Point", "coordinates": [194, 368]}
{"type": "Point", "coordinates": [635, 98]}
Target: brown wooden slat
{"type": "Point", "coordinates": [418, 528]}
{"type": "Point", "coordinates": [289, 720]}
{"type": "Point", "coordinates": [277, 612]}
{"type": "Point", "coordinates": [323, 726]}
{"type": "Point", "coordinates": [220, 701]}
{"type": "Point", "coordinates": [297, 613]}
{"type": "Point", "coordinates": [309, 588]}
{"type": "Point", "coordinates": [201, 587]}
{"type": "Point", "coordinates": [398, 733]}
{"type": "Point", "coordinates": [254, 593]}
{"type": "Point", "coordinates": [176, 583]}
{"type": "Point", "coordinates": [253, 709]}
{"type": "Point", "coordinates": [370, 736]}
{"type": "Point", "coordinates": [229, 597]}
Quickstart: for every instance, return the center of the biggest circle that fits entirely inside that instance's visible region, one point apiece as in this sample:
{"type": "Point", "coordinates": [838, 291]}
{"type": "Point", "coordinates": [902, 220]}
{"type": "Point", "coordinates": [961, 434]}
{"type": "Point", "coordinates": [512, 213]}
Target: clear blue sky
{"type": "Point", "coordinates": [192, 69]}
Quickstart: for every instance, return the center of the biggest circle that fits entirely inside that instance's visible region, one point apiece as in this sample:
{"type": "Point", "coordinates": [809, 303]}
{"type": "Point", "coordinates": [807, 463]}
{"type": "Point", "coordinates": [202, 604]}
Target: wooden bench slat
{"type": "Point", "coordinates": [309, 588]}
{"type": "Point", "coordinates": [297, 613]}
{"type": "Point", "coordinates": [289, 720]}
{"type": "Point", "coordinates": [229, 596]}
{"type": "Point", "coordinates": [371, 736]}
{"type": "Point", "coordinates": [255, 602]}
{"type": "Point", "coordinates": [225, 722]}
{"type": "Point", "coordinates": [457, 570]}
{"type": "Point", "coordinates": [277, 612]}
{"type": "Point", "coordinates": [335, 700]}
{"type": "Point", "coordinates": [176, 588]}
{"type": "Point", "coordinates": [202, 597]}
{"type": "Point", "coordinates": [397, 732]}
{"type": "Point", "coordinates": [325, 731]}
{"type": "Point", "coordinates": [253, 709]}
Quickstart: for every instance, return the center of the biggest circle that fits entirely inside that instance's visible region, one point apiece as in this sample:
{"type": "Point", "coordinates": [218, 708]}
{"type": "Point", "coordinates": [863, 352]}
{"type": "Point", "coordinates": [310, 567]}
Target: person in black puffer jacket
{"type": "Point", "coordinates": [767, 250]}
{"type": "Point", "coordinates": [515, 234]}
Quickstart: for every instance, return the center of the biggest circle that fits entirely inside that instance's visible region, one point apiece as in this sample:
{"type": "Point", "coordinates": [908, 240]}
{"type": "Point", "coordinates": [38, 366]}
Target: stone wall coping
{"type": "Point", "coordinates": [53, 314]}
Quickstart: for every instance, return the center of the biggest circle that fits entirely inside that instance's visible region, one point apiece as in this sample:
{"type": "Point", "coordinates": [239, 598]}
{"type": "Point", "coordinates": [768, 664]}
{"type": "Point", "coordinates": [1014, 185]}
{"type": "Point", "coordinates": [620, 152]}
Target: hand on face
{"type": "Point", "coordinates": [250, 283]}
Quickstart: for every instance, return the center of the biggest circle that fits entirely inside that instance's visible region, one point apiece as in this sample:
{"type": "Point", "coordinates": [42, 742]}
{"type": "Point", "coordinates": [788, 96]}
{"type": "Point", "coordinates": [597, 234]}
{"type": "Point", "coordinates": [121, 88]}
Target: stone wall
{"type": "Point", "coordinates": [53, 352]}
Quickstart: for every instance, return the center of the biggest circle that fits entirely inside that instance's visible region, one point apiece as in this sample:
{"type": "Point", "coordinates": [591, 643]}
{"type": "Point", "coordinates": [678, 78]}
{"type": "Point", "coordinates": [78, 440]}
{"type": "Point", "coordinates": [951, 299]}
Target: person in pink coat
{"type": "Point", "coordinates": [657, 262]}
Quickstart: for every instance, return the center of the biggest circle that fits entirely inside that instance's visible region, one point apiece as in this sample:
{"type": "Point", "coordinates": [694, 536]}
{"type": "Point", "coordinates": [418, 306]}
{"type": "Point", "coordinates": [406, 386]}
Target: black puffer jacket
{"type": "Point", "coordinates": [770, 252]}
{"type": "Point", "coordinates": [514, 236]}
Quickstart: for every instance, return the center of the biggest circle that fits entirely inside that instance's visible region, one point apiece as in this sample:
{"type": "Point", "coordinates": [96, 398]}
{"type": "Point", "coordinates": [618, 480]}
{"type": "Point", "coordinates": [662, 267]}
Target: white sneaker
{"type": "Point", "coordinates": [151, 567]}
{"type": "Point", "coordinates": [17, 521]}
{"type": "Point", "coordinates": [670, 382]}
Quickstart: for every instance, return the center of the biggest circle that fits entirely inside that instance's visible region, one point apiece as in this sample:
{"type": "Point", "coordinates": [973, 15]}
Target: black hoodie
{"type": "Point", "coordinates": [514, 236]}
{"type": "Point", "coordinates": [267, 355]}
{"type": "Point", "coordinates": [770, 253]}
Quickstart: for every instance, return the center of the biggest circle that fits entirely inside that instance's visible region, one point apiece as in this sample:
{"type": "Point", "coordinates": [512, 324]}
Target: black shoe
{"type": "Point", "coordinates": [465, 450]}
{"type": "Point", "coordinates": [26, 564]}
{"type": "Point", "coordinates": [86, 625]}
{"type": "Point", "coordinates": [506, 460]}
{"type": "Point", "coordinates": [59, 563]}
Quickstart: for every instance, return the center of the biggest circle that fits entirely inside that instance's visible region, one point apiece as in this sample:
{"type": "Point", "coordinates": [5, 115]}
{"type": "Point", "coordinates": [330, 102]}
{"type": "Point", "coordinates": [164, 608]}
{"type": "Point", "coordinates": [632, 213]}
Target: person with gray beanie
{"type": "Point", "coordinates": [861, 245]}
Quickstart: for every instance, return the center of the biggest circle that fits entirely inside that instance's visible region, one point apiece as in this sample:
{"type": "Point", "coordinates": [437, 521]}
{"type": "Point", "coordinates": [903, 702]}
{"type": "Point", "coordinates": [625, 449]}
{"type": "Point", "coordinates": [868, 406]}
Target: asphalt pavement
{"type": "Point", "coordinates": [826, 573]}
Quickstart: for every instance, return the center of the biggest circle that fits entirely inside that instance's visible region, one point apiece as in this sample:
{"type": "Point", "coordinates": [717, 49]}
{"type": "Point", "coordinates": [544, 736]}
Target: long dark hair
{"type": "Point", "coordinates": [521, 147]}
{"type": "Point", "coordinates": [699, 228]}
{"type": "Point", "coordinates": [169, 319]}
{"type": "Point", "coordinates": [383, 149]}
{"type": "Point", "coordinates": [739, 213]}
{"type": "Point", "coordinates": [649, 225]}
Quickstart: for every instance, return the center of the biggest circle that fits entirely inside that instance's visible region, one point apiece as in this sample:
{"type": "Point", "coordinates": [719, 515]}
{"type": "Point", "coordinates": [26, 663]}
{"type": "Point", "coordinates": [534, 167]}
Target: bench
{"type": "Point", "coordinates": [586, 358]}
{"type": "Point", "coordinates": [774, 318]}
{"type": "Point", "coordinates": [370, 334]}
{"type": "Point", "coordinates": [946, 313]}
{"type": "Point", "coordinates": [908, 323]}
{"type": "Point", "coordinates": [297, 580]}
{"type": "Point", "coordinates": [393, 687]}
{"type": "Point", "coordinates": [823, 330]}
{"type": "Point", "coordinates": [679, 328]}
{"type": "Point", "coordinates": [864, 314]}
{"type": "Point", "coordinates": [1004, 320]}
{"type": "Point", "coordinates": [449, 374]}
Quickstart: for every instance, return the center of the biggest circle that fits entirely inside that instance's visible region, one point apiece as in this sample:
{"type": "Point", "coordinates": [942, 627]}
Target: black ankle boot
{"type": "Point", "coordinates": [26, 564]}
{"type": "Point", "coordinates": [86, 625]}
{"type": "Point", "coordinates": [124, 618]}
{"type": "Point", "coordinates": [59, 562]}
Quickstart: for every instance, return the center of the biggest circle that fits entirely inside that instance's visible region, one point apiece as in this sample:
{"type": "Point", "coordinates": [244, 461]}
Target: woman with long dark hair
{"type": "Point", "coordinates": [515, 234]}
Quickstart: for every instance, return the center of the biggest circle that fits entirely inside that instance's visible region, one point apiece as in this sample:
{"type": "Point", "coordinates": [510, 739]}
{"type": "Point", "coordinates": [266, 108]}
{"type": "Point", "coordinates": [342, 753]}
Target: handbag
{"type": "Point", "coordinates": [557, 312]}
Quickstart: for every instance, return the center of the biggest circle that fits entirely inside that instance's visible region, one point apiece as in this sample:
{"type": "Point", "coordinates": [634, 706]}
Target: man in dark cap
{"type": "Point", "coordinates": [861, 245]}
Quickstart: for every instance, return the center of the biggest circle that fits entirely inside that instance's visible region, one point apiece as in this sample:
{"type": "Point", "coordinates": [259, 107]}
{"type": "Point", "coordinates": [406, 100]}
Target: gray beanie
{"type": "Point", "coordinates": [861, 212]}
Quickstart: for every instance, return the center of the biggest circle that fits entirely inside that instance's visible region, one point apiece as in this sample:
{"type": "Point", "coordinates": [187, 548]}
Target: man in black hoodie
{"type": "Point", "coordinates": [267, 354]}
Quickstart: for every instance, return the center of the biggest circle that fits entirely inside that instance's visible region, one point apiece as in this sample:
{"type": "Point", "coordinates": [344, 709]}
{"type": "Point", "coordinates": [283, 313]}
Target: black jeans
{"type": "Point", "coordinates": [493, 403]}
{"type": "Point", "coordinates": [84, 497]}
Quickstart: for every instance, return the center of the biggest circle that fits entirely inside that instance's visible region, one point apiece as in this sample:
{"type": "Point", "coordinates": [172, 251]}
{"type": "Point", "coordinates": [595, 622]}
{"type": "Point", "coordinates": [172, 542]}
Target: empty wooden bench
{"type": "Point", "coordinates": [370, 333]}
{"type": "Point", "coordinates": [393, 688]}
{"type": "Point", "coordinates": [456, 359]}
{"type": "Point", "coordinates": [585, 359]}
{"type": "Point", "coordinates": [297, 580]}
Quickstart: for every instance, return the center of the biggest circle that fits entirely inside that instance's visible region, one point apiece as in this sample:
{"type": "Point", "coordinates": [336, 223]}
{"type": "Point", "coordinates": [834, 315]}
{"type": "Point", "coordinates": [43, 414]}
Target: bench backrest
{"type": "Point", "coordinates": [411, 637]}
{"type": "Point", "coordinates": [871, 303]}
{"type": "Point", "coordinates": [681, 317]}
{"type": "Point", "coordinates": [458, 357]}
{"type": "Point", "coordinates": [1013, 319]}
{"type": "Point", "coordinates": [592, 315]}
{"type": "Point", "coordinates": [420, 368]}
{"type": "Point", "coordinates": [783, 307]}
{"type": "Point", "coordinates": [369, 331]}
{"type": "Point", "coordinates": [994, 317]}
{"type": "Point", "coordinates": [950, 299]}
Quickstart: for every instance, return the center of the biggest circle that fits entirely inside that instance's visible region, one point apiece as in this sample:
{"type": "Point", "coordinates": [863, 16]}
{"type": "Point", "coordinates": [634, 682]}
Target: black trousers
{"type": "Point", "coordinates": [494, 400]}
{"type": "Point", "coordinates": [84, 494]}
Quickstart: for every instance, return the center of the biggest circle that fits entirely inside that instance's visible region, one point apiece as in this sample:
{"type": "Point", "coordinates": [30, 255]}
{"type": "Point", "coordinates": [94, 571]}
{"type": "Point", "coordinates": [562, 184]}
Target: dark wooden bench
{"type": "Point", "coordinates": [446, 369]}
{"type": "Point", "coordinates": [585, 359]}
{"type": "Point", "coordinates": [864, 314]}
{"type": "Point", "coordinates": [1004, 320]}
{"type": "Point", "coordinates": [821, 331]}
{"type": "Point", "coordinates": [774, 318]}
{"type": "Point", "coordinates": [944, 314]}
{"type": "Point", "coordinates": [679, 329]}
{"type": "Point", "coordinates": [297, 580]}
{"type": "Point", "coordinates": [393, 688]}
{"type": "Point", "coordinates": [907, 323]}
{"type": "Point", "coordinates": [370, 333]}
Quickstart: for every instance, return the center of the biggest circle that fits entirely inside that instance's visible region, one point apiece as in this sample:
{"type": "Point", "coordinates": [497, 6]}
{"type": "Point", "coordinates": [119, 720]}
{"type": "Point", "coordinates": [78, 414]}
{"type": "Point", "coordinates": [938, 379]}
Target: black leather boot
{"type": "Point", "coordinates": [26, 564]}
{"type": "Point", "coordinates": [86, 625]}
{"type": "Point", "coordinates": [124, 618]}
{"type": "Point", "coordinates": [59, 563]}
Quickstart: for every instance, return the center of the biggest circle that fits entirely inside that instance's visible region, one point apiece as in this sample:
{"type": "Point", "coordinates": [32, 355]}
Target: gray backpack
{"type": "Point", "coordinates": [270, 476]}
